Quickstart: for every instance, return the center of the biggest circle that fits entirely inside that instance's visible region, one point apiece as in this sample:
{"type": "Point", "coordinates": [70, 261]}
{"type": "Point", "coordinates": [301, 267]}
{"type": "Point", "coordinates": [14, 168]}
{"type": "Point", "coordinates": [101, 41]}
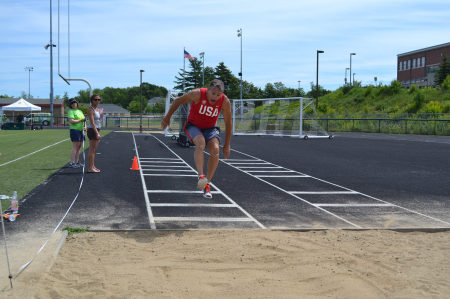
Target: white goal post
{"type": "Point", "coordinates": [294, 117]}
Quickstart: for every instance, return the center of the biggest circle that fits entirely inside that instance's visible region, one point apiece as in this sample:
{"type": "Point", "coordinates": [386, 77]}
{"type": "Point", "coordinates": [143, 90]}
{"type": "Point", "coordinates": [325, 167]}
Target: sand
{"type": "Point", "coordinates": [245, 264]}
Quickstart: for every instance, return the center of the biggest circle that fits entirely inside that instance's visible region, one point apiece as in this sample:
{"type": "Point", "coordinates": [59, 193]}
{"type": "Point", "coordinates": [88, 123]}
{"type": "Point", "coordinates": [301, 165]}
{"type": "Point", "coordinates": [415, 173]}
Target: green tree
{"type": "Point", "coordinates": [191, 78]}
{"type": "Point", "coordinates": [232, 89]}
{"type": "Point", "coordinates": [444, 71]}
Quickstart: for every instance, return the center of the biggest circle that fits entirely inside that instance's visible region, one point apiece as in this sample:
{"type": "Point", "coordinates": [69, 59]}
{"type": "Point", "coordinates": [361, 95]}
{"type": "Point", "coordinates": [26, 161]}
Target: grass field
{"type": "Point", "coordinates": [25, 174]}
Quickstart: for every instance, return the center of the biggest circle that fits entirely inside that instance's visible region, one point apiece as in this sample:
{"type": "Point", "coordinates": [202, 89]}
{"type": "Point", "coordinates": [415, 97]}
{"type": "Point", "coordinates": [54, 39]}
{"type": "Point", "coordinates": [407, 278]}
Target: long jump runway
{"type": "Point", "coordinates": [251, 192]}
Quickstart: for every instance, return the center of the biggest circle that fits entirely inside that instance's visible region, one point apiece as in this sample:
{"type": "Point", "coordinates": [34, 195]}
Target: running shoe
{"type": "Point", "coordinates": [202, 181]}
{"type": "Point", "coordinates": [80, 164]}
{"type": "Point", "coordinates": [207, 191]}
{"type": "Point", "coordinates": [73, 165]}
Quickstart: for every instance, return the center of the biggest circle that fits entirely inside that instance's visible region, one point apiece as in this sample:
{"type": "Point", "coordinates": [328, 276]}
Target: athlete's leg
{"type": "Point", "coordinates": [199, 142]}
{"type": "Point", "coordinates": [76, 145]}
{"type": "Point", "coordinates": [213, 161]}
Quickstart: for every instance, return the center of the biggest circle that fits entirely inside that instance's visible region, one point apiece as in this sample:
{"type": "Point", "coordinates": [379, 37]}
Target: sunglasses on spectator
{"type": "Point", "coordinates": [97, 99]}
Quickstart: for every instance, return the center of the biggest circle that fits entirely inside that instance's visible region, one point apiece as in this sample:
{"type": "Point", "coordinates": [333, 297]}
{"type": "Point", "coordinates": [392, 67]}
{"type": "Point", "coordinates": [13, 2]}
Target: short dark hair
{"type": "Point", "coordinates": [216, 83]}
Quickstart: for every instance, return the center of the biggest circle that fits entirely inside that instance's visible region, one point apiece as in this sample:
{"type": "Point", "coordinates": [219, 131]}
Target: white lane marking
{"type": "Point", "coordinates": [164, 166]}
{"type": "Point", "coordinates": [353, 205]}
{"type": "Point", "coordinates": [257, 167]}
{"type": "Point", "coordinates": [271, 171]}
{"type": "Point", "coordinates": [144, 187]}
{"type": "Point", "coordinates": [250, 163]}
{"type": "Point", "coordinates": [6, 163]}
{"type": "Point", "coordinates": [281, 189]}
{"type": "Point", "coordinates": [181, 191]}
{"type": "Point", "coordinates": [189, 205]}
{"type": "Point", "coordinates": [339, 186]}
{"type": "Point", "coordinates": [324, 192]}
{"type": "Point", "coordinates": [162, 159]}
{"type": "Point", "coordinates": [204, 219]}
{"type": "Point", "coordinates": [163, 162]}
{"type": "Point", "coordinates": [251, 218]}
{"type": "Point", "coordinates": [162, 174]}
{"type": "Point", "coordinates": [149, 169]}
{"type": "Point", "coordinates": [282, 176]}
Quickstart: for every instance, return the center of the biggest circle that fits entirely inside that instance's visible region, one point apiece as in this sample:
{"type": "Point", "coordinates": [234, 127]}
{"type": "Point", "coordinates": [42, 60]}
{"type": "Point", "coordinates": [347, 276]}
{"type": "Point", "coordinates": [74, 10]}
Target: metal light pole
{"type": "Point", "coordinates": [317, 78]}
{"type": "Point", "coordinates": [140, 103]}
{"type": "Point", "coordinates": [239, 34]}
{"type": "Point", "coordinates": [51, 45]}
{"type": "Point", "coordinates": [353, 78]}
{"type": "Point", "coordinates": [299, 83]}
{"type": "Point", "coordinates": [345, 80]}
{"type": "Point", "coordinates": [29, 69]}
{"type": "Point", "coordinates": [202, 56]}
{"type": "Point", "coordinates": [351, 54]}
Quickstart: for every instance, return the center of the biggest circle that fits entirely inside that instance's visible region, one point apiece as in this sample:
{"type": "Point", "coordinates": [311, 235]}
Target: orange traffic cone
{"type": "Point", "coordinates": [135, 165]}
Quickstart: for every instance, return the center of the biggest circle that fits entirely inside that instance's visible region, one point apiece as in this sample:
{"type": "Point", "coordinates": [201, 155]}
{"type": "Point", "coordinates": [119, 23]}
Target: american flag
{"type": "Point", "coordinates": [188, 56]}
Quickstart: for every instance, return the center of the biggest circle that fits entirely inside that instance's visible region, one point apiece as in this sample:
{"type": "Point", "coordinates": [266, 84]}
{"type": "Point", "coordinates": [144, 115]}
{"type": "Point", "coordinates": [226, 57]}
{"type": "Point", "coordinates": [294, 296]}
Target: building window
{"type": "Point", "coordinates": [418, 62]}
{"type": "Point", "coordinates": [414, 63]}
{"type": "Point", "coordinates": [409, 64]}
{"type": "Point", "coordinates": [400, 66]}
{"type": "Point", "coordinates": [423, 61]}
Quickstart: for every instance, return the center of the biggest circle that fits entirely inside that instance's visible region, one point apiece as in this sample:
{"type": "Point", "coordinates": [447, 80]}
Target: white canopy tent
{"type": "Point", "coordinates": [19, 105]}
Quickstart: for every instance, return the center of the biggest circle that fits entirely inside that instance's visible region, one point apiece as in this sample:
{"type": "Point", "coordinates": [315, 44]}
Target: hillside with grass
{"type": "Point", "coordinates": [386, 99]}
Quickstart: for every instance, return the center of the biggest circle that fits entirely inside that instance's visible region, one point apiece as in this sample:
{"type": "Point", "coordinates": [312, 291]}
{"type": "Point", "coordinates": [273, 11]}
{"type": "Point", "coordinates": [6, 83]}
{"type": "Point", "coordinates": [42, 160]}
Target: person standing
{"type": "Point", "coordinates": [206, 104]}
{"type": "Point", "coordinates": [95, 115]}
{"type": "Point", "coordinates": [77, 123]}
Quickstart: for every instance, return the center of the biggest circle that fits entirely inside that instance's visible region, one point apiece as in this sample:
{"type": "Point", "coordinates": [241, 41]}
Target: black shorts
{"type": "Point", "coordinates": [76, 135]}
{"type": "Point", "coordinates": [92, 134]}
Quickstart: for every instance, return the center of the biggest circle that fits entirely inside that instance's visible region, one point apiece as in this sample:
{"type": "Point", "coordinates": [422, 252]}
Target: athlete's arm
{"type": "Point", "coordinates": [226, 110]}
{"type": "Point", "coordinates": [192, 96]}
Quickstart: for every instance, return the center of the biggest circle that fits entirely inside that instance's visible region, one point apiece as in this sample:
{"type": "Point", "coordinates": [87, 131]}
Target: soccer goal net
{"type": "Point", "coordinates": [295, 117]}
{"type": "Point", "coordinates": [179, 118]}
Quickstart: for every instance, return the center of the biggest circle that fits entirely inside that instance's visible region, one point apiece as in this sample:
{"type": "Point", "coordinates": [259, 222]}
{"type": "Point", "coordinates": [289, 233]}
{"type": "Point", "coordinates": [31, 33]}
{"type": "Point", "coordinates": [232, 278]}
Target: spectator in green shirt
{"type": "Point", "coordinates": [77, 124]}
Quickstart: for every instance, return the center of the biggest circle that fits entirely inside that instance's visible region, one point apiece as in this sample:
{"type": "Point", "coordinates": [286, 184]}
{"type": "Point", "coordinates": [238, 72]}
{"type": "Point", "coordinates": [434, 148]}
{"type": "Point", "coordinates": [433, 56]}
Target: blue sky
{"type": "Point", "coordinates": [112, 40]}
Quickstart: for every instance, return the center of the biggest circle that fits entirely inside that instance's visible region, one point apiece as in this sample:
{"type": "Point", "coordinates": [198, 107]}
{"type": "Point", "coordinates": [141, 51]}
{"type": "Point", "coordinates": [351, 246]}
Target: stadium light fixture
{"type": "Point", "coordinates": [29, 69]}
{"type": "Point", "coordinates": [140, 102]}
{"type": "Point", "coordinates": [351, 54]}
{"type": "Point", "coordinates": [202, 56]}
{"type": "Point", "coordinates": [239, 34]}
{"type": "Point", "coordinates": [345, 80]}
{"type": "Point", "coordinates": [317, 77]}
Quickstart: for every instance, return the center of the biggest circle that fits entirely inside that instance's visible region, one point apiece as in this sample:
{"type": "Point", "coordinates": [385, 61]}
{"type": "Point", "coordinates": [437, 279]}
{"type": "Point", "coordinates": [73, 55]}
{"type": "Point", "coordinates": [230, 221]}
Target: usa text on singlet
{"type": "Point", "coordinates": [204, 115]}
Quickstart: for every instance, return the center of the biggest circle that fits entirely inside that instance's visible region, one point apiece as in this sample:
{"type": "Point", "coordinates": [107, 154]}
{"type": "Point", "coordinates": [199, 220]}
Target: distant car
{"type": "Point", "coordinates": [38, 118]}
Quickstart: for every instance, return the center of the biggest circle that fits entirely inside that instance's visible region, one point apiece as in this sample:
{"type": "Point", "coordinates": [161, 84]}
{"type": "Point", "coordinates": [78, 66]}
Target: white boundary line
{"type": "Point", "coordinates": [162, 174]}
{"type": "Point", "coordinates": [190, 205]}
{"type": "Point", "coordinates": [6, 163]}
{"type": "Point", "coordinates": [182, 191]}
{"type": "Point", "coordinates": [324, 192]}
{"type": "Point", "coordinates": [250, 217]}
{"type": "Point", "coordinates": [380, 200]}
{"type": "Point", "coordinates": [352, 205]}
{"type": "Point", "coordinates": [204, 219]}
{"type": "Point", "coordinates": [144, 187]}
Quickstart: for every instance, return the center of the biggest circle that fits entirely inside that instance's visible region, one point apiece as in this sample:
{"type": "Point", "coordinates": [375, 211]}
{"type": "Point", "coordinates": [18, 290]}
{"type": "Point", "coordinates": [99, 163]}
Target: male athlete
{"type": "Point", "coordinates": [201, 128]}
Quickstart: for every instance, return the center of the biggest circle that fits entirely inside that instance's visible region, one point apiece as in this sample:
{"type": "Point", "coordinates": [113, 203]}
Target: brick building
{"type": "Point", "coordinates": [419, 67]}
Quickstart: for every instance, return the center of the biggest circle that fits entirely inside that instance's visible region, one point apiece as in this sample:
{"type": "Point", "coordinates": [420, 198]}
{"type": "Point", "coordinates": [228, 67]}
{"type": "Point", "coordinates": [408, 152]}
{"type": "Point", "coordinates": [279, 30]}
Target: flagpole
{"type": "Point", "coordinates": [184, 67]}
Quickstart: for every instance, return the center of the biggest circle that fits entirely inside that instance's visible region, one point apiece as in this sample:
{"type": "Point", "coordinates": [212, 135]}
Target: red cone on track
{"type": "Point", "coordinates": [135, 165]}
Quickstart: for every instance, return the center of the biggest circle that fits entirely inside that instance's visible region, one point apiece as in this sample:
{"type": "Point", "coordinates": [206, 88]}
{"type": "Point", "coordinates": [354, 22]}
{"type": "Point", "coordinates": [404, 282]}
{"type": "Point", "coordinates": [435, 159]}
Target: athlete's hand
{"type": "Point", "coordinates": [226, 151]}
{"type": "Point", "coordinates": [165, 122]}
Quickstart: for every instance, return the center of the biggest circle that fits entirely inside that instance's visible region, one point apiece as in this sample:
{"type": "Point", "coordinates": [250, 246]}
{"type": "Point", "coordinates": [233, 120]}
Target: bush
{"type": "Point", "coordinates": [432, 107]}
{"type": "Point", "coordinates": [395, 86]}
{"type": "Point", "coordinates": [446, 84]}
{"type": "Point", "coordinates": [413, 89]}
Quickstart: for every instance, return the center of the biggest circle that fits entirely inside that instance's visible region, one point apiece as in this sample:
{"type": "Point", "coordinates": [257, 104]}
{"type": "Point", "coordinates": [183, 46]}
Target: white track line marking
{"type": "Point", "coordinates": [352, 205]}
{"type": "Point", "coordinates": [163, 162]}
{"type": "Point", "coordinates": [251, 218]}
{"type": "Point", "coordinates": [164, 166]}
{"type": "Point", "coordinates": [162, 159]}
{"type": "Point", "coordinates": [324, 192]}
{"type": "Point", "coordinates": [282, 176]}
{"type": "Point", "coordinates": [6, 163]}
{"type": "Point", "coordinates": [203, 219]}
{"type": "Point", "coordinates": [181, 191]}
{"type": "Point", "coordinates": [173, 175]}
{"type": "Point", "coordinates": [377, 199]}
{"type": "Point", "coordinates": [147, 169]}
{"type": "Point", "coordinates": [272, 171]}
{"type": "Point", "coordinates": [144, 187]}
{"type": "Point", "coordinates": [193, 205]}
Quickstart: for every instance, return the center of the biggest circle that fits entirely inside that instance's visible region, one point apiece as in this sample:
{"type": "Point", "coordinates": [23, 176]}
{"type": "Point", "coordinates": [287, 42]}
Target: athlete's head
{"type": "Point", "coordinates": [72, 102]}
{"type": "Point", "coordinates": [215, 91]}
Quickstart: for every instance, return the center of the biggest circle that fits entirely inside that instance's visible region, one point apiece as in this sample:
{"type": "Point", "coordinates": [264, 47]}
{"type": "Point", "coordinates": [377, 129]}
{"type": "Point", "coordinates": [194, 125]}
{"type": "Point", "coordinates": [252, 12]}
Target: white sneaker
{"type": "Point", "coordinates": [207, 192]}
{"type": "Point", "coordinates": [202, 181]}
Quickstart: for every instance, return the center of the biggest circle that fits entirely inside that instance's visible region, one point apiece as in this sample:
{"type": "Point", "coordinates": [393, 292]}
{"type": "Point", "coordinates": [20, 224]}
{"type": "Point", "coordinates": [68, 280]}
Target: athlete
{"type": "Point", "coordinates": [201, 128]}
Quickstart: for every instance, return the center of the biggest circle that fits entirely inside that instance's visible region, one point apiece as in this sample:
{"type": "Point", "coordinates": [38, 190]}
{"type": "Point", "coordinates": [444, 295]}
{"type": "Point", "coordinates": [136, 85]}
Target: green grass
{"type": "Point", "coordinates": [76, 230]}
{"type": "Point", "coordinates": [25, 174]}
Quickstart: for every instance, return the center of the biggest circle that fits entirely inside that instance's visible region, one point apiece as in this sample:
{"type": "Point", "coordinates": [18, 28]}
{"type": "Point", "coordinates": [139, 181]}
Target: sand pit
{"type": "Point", "coordinates": [246, 264]}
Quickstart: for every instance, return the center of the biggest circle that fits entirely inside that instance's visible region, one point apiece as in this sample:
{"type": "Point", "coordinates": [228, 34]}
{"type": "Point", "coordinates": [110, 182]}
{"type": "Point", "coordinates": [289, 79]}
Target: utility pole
{"type": "Point", "coordinates": [29, 69]}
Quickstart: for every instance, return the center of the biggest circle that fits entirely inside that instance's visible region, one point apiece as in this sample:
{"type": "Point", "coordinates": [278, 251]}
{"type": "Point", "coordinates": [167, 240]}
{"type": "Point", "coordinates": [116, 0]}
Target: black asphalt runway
{"type": "Point", "coordinates": [355, 181]}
